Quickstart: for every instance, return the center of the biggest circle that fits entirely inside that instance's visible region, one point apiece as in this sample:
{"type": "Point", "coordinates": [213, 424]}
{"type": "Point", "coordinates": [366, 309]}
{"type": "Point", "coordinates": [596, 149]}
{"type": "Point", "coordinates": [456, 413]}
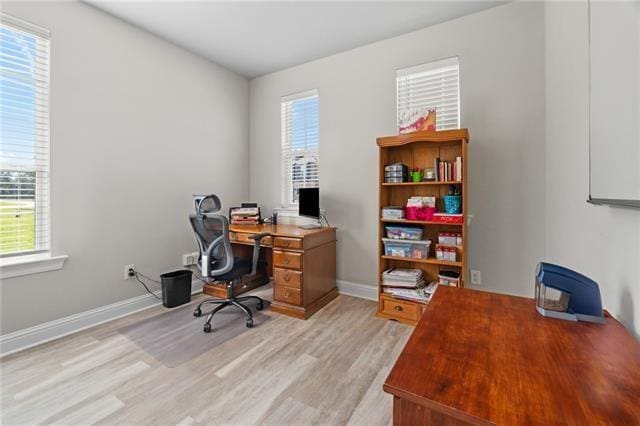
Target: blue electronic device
{"type": "Point", "coordinates": [565, 294]}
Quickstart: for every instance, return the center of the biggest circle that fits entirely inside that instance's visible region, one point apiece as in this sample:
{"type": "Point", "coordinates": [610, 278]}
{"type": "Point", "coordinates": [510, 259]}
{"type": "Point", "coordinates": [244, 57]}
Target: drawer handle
{"type": "Point", "coordinates": [286, 260]}
{"type": "Point", "coordinates": [285, 243]}
{"type": "Point", "coordinates": [398, 308]}
{"type": "Point", "coordinates": [286, 293]}
{"type": "Point", "coordinates": [286, 277]}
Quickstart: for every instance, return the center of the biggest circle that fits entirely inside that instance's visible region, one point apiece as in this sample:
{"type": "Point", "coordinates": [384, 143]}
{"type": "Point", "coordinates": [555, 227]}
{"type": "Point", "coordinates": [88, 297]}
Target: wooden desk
{"type": "Point", "coordinates": [483, 358]}
{"type": "Point", "coordinates": [302, 263]}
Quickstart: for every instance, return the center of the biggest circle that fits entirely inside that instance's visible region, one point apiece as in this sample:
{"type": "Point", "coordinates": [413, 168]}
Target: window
{"type": "Point", "coordinates": [435, 84]}
{"type": "Point", "coordinates": [24, 137]}
{"type": "Point", "coordinates": [300, 145]}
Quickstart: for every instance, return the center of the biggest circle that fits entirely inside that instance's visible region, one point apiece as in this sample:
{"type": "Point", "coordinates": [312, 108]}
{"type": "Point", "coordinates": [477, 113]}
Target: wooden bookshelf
{"type": "Point", "coordinates": [419, 150]}
{"type": "Point", "coordinates": [419, 222]}
{"type": "Point", "coordinates": [448, 182]}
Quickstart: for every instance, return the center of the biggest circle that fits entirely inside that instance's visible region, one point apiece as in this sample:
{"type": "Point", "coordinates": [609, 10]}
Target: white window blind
{"type": "Point", "coordinates": [24, 137]}
{"type": "Point", "coordinates": [435, 84]}
{"type": "Point", "coordinates": [300, 145]}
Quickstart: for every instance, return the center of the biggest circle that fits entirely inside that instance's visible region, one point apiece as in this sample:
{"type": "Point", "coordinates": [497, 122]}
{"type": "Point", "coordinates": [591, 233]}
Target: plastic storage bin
{"type": "Point", "coordinates": [452, 204]}
{"type": "Point", "coordinates": [404, 233]}
{"type": "Point", "coordinates": [406, 248]}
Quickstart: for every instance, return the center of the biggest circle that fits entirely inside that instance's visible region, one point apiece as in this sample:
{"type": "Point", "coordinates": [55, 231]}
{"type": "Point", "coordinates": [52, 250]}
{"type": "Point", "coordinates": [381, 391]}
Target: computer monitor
{"type": "Point", "coordinates": [309, 202]}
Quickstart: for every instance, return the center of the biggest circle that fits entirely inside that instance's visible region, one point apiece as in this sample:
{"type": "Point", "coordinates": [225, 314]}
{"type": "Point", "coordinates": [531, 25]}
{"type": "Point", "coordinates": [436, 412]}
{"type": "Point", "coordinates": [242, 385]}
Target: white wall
{"type": "Point", "coordinates": [601, 242]}
{"type": "Point", "coordinates": [501, 54]}
{"type": "Point", "coordinates": [137, 126]}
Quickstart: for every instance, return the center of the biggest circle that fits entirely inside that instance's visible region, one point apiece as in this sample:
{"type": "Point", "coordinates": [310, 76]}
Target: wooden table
{"type": "Point", "coordinates": [485, 358]}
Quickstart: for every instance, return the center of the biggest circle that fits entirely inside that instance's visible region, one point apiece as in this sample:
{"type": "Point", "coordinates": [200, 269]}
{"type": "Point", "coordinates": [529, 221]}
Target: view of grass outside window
{"type": "Point", "coordinates": [17, 211]}
{"type": "Point", "coordinates": [24, 139]}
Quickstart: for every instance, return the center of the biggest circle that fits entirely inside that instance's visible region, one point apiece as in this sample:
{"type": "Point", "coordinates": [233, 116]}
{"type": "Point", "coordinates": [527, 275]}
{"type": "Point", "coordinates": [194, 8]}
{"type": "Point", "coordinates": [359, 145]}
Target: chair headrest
{"type": "Point", "coordinates": [207, 203]}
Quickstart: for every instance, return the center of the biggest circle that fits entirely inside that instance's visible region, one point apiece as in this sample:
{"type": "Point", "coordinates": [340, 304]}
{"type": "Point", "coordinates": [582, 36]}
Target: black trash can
{"type": "Point", "coordinates": [176, 288]}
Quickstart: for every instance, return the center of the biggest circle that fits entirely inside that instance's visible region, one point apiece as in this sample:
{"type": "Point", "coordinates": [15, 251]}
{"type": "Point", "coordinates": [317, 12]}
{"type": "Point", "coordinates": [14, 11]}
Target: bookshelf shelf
{"type": "Point", "coordinates": [419, 222]}
{"type": "Point", "coordinates": [430, 261]}
{"type": "Point", "coordinates": [439, 182]}
{"type": "Point", "coordinates": [419, 150]}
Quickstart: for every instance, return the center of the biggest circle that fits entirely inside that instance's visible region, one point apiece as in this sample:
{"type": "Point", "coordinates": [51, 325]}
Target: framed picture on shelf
{"type": "Point", "coordinates": [417, 120]}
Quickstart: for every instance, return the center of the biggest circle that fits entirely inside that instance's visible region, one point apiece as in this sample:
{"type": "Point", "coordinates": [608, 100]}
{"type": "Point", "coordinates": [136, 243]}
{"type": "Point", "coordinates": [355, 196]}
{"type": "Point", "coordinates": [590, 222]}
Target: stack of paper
{"type": "Point", "coordinates": [245, 216]}
{"type": "Point", "coordinates": [402, 278]}
{"type": "Point", "coordinates": [419, 295]}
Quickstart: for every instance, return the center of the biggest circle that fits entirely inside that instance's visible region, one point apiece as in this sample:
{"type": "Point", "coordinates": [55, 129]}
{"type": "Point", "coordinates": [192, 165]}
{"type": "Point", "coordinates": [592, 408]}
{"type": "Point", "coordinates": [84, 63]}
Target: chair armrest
{"type": "Point", "coordinates": [259, 236]}
{"type": "Point", "coordinates": [257, 239]}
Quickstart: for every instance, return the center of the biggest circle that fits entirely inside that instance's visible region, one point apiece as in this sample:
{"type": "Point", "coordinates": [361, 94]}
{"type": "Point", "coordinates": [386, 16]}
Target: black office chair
{"type": "Point", "coordinates": [216, 260]}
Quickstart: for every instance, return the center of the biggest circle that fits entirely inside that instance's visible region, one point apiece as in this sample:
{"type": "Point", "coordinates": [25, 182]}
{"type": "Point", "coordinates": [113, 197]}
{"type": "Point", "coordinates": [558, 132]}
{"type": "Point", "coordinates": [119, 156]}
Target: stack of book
{"type": "Point", "coordinates": [403, 283]}
{"type": "Point", "coordinates": [447, 171]}
{"type": "Point", "coordinates": [245, 216]}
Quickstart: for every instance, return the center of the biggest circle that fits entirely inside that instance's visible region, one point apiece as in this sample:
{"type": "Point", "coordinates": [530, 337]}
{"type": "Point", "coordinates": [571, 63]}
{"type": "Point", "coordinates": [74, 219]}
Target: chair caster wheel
{"type": "Point", "coordinates": [260, 306]}
{"type": "Point", "coordinates": [249, 323]}
{"type": "Point", "coordinates": [207, 328]}
{"type": "Point", "coordinates": [197, 313]}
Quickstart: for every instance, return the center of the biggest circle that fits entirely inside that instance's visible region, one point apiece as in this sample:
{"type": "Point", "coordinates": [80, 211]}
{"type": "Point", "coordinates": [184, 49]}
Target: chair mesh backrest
{"type": "Point", "coordinates": [208, 227]}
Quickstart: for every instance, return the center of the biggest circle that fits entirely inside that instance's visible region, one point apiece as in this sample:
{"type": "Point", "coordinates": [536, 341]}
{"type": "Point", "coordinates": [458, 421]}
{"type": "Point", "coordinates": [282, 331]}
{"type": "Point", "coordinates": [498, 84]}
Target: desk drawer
{"type": "Point", "coordinates": [287, 277]}
{"type": "Point", "coordinates": [290, 243]}
{"type": "Point", "coordinates": [287, 259]}
{"type": "Point", "coordinates": [399, 308]}
{"type": "Point", "coordinates": [242, 237]}
{"type": "Point", "coordinates": [287, 295]}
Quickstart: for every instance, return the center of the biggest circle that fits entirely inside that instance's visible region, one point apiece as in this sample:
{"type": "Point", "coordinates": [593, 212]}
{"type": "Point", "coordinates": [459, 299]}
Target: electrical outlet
{"type": "Point", "coordinates": [190, 259]}
{"type": "Point", "coordinates": [476, 277]}
{"type": "Point", "coordinates": [127, 274]}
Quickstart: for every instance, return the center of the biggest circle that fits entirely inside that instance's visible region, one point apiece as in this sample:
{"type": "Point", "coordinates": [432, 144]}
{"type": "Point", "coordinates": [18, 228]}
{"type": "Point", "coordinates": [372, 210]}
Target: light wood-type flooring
{"type": "Point", "coordinates": [328, 369]}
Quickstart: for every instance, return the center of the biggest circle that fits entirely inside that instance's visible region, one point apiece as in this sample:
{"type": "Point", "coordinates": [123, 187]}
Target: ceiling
{"type": "Point", "coordinates": [257, 38]}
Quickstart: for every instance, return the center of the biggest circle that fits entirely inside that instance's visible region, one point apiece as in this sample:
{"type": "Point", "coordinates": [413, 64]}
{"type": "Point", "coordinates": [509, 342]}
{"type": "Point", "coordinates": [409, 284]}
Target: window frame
{"type": "Point", "coordinates": [427, 69]}
{"type": "Point", "coordinates": [42, 196]}
{"type": "Point", "coordinates": [286, 152]}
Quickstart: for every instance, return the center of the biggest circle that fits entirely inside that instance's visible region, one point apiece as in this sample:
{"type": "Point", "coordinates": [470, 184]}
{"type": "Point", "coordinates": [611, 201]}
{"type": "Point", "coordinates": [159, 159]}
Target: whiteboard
{"type": "Point", "coordinates": [614, 113]}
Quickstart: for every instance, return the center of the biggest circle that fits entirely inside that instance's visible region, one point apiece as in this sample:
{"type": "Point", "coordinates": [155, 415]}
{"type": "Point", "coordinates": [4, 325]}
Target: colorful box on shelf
{"type": "Point", "coordinates": [447, 253]}
{"type": "Point", "coordinates": [393, 212]}
{"type": "Point", "coordinates": [447, 218]}
{"type": "Point", "coordinates": [450, 238]}
{"type": "Point", "coordinates": [449, 278]}
{"type": "Point", "coordinates": [419, 213]}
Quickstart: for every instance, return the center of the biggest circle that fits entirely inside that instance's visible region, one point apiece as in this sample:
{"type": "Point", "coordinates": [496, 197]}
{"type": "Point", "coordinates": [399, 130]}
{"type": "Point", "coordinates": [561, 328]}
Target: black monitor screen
{"type": "Point", "coordinates": [309, 202]}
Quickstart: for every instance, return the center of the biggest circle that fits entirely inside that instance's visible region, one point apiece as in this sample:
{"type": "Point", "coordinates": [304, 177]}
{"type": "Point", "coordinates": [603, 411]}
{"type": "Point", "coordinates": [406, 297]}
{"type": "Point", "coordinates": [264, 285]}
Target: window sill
{"type": "Point", "coordinates": [30, 264]}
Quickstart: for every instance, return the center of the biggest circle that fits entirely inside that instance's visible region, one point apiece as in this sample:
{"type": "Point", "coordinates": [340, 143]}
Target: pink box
{"type": "Point", "coordinates": [419, 213]}
{"type": "Point", "coordinates": [411, 213]}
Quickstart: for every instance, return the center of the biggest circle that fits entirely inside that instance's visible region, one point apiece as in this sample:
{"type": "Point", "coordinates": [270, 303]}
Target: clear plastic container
{"type": "Point", "coordinates": [404, 233]}
{"type": "Point", "coordinates": [406, 248]}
